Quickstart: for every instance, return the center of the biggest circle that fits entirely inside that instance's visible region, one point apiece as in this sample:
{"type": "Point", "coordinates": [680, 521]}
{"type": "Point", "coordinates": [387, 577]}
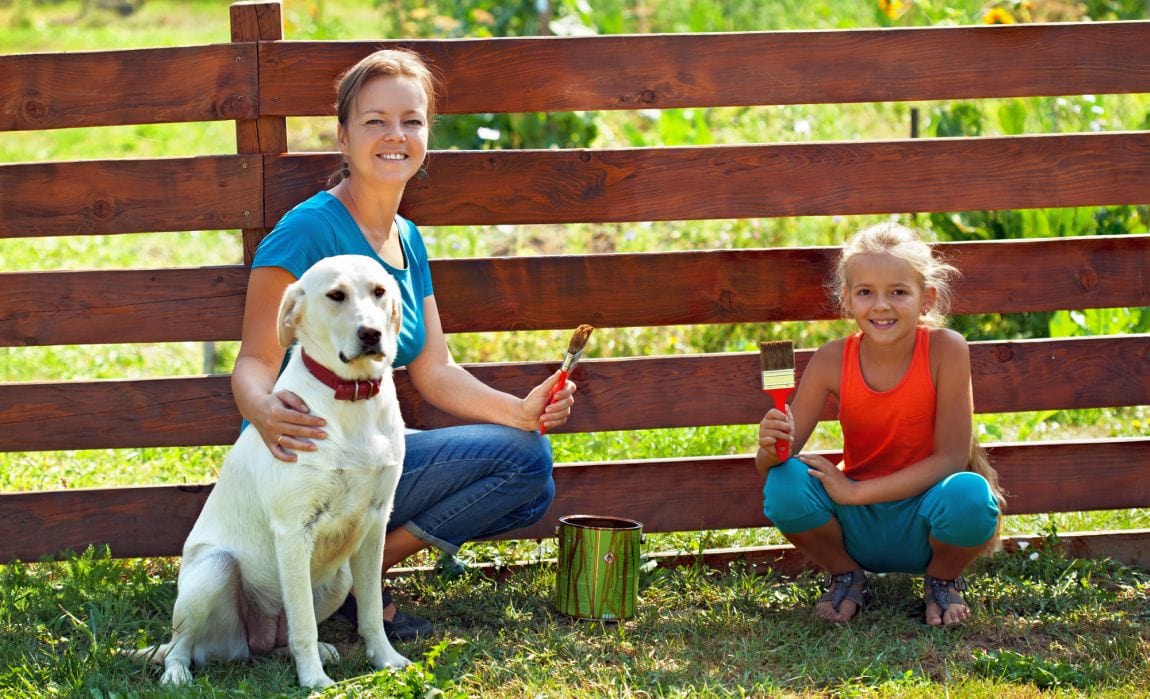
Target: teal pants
{"type": "Point", "coordinates": [960, 510]}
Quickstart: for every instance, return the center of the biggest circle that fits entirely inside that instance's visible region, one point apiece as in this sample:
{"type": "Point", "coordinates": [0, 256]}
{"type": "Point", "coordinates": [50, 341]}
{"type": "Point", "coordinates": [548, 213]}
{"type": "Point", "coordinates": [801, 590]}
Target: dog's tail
{"type": "Point", "coordinates": [154, 654]}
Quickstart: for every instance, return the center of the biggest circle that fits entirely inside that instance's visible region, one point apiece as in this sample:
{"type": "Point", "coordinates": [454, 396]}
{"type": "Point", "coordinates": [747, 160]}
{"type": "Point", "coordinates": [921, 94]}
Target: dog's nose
{"type": "Point", "coordinates": [369, 337]}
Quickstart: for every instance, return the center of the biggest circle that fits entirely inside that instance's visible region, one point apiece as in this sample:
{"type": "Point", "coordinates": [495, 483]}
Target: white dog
{"type": "Point", "coordinates": [284, 542]}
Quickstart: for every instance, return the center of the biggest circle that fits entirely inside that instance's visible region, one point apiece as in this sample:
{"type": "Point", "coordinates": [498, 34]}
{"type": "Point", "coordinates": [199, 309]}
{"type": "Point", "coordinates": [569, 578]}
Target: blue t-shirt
{"type": "Point", "coordinates": [320, 227]}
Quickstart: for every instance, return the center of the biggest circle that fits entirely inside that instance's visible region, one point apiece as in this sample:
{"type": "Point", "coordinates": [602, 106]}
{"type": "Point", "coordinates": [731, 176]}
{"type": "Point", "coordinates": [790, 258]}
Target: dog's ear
{"type": "Point", "coordinates": [291, 312]}
{"type": "Point", "coordinates": [396, 315]}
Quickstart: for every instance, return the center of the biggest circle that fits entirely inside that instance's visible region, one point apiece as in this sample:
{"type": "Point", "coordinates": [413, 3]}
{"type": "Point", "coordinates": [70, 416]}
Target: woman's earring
{"type": "Point", "coordinates": [344, 171]}
{"type": "Point", "coordinates": [422, 174]}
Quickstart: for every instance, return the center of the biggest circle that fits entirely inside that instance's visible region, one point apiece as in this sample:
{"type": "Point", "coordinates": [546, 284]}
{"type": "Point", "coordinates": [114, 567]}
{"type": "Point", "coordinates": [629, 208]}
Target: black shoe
{"type": "Point", "coordinates": [404, 627]}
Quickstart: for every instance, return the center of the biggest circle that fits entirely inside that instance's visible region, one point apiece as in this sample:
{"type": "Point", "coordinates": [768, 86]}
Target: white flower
{"type": "Point", "coordinates": [1024, 545]}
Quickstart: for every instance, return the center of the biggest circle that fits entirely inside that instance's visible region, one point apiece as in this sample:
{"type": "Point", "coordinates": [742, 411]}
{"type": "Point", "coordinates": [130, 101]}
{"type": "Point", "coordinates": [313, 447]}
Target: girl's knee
{"type": "Point", "coordinates": [792, 499]}
{"type": "Point", "coordinates": [968, 511]}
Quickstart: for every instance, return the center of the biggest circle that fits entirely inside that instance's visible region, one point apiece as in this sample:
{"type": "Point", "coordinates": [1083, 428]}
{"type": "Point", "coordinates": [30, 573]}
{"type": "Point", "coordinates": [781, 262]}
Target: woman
{"type": "Point", "coordinates": [458, 483]}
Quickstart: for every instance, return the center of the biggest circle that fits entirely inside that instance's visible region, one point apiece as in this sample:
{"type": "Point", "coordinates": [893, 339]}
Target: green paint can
{"type": "Point", "coordinates": [598, 574]}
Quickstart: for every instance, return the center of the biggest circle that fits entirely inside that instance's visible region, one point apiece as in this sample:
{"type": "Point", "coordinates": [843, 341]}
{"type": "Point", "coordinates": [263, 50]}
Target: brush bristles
{"type": "Point", "coordinates": [579, 338]}
{"type": "Point", "coordinates": [777, 359]}
{"type": "Point", "coordinates": [778, 354]}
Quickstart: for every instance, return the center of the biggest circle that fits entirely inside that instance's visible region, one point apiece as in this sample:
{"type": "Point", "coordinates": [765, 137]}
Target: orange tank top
{"type": "Point", "coordinates": [885, 431]}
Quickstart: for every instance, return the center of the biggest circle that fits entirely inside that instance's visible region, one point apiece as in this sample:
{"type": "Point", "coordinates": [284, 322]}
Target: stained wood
{"type": "Point", "coordinates": [677, 288]}
{"type": "Point", "coordinates": [752, 181]}
{"type": "Point", "coordinates": [261, 21]}
{"type": "Point", "coordinates": [145, 305]}
{"type": "Point", "coordinates": [735, 69]}
{"type": "Point", "coordinates": [130, 196]}
{"type": "Point", "coordinates": [566, 186]}
{"type": "Point", "coordinates": [614, 394]}
{"type": "Point", "coordinates": [664, 495]}
{"type": "Point", "coordinates": [136, 86]}
{"type": "Point", "coordinates": [117, 413]}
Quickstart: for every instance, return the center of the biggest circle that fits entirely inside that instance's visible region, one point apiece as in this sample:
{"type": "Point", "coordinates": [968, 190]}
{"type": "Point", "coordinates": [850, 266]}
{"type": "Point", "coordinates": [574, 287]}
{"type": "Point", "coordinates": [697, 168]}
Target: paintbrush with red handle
{"type": "Point", "coordinates": [777, 359]}
{"type": "Point", "coordinates": [574, 352]}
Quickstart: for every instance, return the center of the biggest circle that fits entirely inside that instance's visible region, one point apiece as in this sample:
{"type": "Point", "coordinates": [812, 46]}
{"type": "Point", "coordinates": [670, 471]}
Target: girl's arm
{"type": "Point", "coordinates": [950, 365]}
{"type": "Point", "coordinates": [820, 379]}
{"type": "Point", "coordinates": [451, 388]}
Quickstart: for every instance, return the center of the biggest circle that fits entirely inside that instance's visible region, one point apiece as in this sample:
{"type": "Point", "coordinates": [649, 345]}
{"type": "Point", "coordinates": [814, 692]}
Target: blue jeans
{"type": "Point", "coordinates": [471, 481]}
{"type": "Point", "coordinates": [959, 510]}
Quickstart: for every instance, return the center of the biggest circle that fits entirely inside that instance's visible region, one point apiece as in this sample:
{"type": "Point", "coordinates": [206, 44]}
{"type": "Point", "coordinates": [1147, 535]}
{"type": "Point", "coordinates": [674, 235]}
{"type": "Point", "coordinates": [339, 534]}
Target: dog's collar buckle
{"type": "Point", "coordinates": [353, 390]}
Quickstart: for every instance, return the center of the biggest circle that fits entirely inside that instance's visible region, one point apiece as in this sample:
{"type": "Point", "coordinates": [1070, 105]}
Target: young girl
{"type": "Point", "coordinates": [907, 498]}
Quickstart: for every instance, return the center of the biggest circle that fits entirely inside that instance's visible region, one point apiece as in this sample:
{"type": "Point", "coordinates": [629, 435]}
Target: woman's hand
{"type": "Point", "coordinates": [550, 412]}
{"type": "Point", "coordinates": [841, 489]}
{"type": "Point", "coordinates": [286, 425]}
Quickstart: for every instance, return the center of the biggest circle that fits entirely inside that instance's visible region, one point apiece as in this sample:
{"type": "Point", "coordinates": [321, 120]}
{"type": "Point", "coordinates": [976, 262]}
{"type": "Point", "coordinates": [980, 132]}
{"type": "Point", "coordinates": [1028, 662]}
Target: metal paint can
{"type": "Point", "coordinates": [598, 571]}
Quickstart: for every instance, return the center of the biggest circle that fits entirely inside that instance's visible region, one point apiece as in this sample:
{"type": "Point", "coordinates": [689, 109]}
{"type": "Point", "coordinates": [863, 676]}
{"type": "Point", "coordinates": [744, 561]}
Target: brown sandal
{"type": "Point", "coordinates": [844, 586]}
{"type": "Point", "coordinates": [944, 593]}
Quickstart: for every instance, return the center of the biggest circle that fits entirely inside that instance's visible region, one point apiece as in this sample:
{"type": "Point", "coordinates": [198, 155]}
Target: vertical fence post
{"type": "Point", "coordinates": [258, 21]}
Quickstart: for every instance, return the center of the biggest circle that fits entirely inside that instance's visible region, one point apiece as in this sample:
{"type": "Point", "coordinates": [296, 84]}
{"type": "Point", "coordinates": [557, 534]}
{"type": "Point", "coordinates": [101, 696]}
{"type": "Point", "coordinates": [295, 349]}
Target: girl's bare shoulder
{"type": "Point", "coordinates": [947, 341]}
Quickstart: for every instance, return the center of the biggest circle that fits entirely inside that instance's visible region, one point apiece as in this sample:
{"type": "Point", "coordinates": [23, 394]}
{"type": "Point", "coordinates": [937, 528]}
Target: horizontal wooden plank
{"type": "Point", "coordinates": [136, 86]}
{"type": "Point", "coordinates": [676, 288]}
{"type": "Point", "coordinates": [672, 495]}
{"type": "Point", "coordinates": [1128, 546]}
{"type": "Point", "coordinates": [109, 306]}
{"type": "Point", "coordinates": [573, 186]}
{"type": "Point", "coordinates": [736, 69]}
{"type": "Point", "coordinates": [98, 197]}
{"type": "Point", "coordinates": [614, 394]}
{"type": "Point", "coordinates": [751, 181]}
{"type": "Point", "coordinates": [56, 415]}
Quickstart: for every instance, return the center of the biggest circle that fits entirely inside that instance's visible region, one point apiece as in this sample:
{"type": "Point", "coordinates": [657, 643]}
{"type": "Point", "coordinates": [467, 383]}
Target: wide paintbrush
{"type": "Point", "coordinates": [574, 352]}
{"type": "Point", "coordinates": [777, 359]}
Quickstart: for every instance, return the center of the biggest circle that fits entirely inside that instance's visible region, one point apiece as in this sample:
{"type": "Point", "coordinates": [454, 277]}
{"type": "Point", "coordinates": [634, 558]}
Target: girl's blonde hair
{"type": "Point", "coordinates": [979, 463]}
{"type": "Point", "coordinates": [905, 244]}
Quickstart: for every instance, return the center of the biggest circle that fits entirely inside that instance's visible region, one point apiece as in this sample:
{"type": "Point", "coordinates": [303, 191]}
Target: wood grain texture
{"type": "Point", "coordinates": [215, 82]}
{"type": "Point", "coordinates": [137, 305]}
{"type": "Point", "coordinates": [614, 394]}
{"type": "Point", "coordinates": [189, 411]}
{"type": "Point", "coordinates": [258, 21]}
{"type": "Point", "coordinates": [736, 69]}
{"type": "Point", "coordinates": [130, 196]}
{"type": "Point", "coordinates": [752, 181]}
{"type": "Point", "coordinates": [674, 288]}
{"type": "Point", "coordinates": [664, 495]}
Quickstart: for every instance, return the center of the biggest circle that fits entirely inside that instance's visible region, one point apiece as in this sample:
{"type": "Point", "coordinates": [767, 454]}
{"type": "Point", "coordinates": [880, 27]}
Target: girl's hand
{"type": "Point", "coordinates": [547, 411]}
{"type": "Point", "coordinates": [776, 425]}
{"type": "Point", "coordinates": [838, 486]}
{"type": "Point", "coordinates": [286, 425]}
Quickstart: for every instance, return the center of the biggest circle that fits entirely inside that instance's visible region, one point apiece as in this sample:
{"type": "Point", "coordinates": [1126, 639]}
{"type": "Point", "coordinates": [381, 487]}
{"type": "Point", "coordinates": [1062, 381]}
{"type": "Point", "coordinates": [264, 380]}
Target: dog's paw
{"type": "Point", "coordinates": [316, 681]}
{"type": "Point", "coordinates": [327, 653]}
{"type": "Point", "coordinates": [386, 657]}
{"type": "Point", "coordinates": [177, 675]}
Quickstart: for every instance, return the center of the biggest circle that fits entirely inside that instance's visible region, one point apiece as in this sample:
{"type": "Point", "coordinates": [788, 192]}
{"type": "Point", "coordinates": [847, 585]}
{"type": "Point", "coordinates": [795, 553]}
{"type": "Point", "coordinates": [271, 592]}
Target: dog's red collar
{"type": "Point", "coordinates": [358, 389]}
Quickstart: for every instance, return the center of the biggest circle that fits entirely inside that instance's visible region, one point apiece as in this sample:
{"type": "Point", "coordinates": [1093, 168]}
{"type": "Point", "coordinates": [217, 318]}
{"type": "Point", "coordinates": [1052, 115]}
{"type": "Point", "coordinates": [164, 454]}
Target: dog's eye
{"type": "Point", "coordinates": [337, 296]}
{"type": "Point", "coordinates": [380, 292]}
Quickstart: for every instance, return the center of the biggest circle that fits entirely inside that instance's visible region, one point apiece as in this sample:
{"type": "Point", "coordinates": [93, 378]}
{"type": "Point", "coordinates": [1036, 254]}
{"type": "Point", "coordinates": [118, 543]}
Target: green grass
{"type": "Point", "coordinates": [1048, 625]}
{"type": "Point", "coordinates": [1044, 622]}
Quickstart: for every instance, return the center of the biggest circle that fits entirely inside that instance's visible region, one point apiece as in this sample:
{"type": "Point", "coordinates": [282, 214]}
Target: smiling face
{"type": "Point", "coordinates": [384, 139]}
{"type": "Point", "coordinates": [886, 297]}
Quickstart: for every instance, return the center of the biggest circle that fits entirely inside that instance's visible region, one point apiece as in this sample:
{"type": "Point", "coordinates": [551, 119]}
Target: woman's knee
{"type": "Point", "coordinates": [535, 459]}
